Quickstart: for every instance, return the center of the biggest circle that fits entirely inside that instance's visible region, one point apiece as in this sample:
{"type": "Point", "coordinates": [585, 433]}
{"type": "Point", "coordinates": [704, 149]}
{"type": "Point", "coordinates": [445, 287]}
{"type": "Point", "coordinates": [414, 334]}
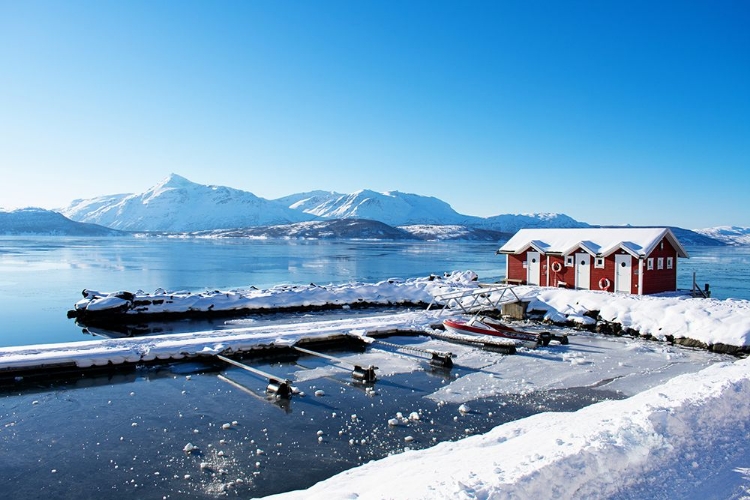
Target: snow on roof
{"type": "Point", "coordinates": [638, 241]}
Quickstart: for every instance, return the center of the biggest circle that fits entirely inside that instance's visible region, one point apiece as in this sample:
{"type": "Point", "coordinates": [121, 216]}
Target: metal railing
{"type": "Point", "coordinates": [476, 299]}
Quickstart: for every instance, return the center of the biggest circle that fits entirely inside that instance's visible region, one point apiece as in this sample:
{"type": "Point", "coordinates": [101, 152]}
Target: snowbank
{"type": "Point", "coordinates": [665, 442]}
{"type": "Point", "coordinates": [710, 321]}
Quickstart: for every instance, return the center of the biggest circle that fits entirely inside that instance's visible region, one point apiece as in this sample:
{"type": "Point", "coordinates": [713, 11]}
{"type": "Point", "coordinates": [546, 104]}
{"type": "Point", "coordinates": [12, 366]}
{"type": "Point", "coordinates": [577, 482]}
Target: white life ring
{"type": "Point", "coordinates": [604, 283]}
{"type": "Point", "coordinates": [556, 267]}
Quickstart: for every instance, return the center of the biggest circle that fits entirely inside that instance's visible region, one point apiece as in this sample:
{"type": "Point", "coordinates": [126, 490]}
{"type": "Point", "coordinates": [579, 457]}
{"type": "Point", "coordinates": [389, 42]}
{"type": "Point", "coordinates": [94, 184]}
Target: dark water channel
{"type": "Point", "coordinates": [123, 435]}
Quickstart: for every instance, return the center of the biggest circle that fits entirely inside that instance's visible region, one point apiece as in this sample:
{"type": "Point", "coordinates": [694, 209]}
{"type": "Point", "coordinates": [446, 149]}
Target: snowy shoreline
{"type": "Point", "coordinates": [683, 439]}
{"type": "Point", "coordinates": [713, 324]}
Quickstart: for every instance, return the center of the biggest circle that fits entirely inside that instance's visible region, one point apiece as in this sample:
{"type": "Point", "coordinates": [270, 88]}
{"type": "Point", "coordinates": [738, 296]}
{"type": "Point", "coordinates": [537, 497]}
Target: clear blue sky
{"type": "Point", "coordinates": [611, 112]}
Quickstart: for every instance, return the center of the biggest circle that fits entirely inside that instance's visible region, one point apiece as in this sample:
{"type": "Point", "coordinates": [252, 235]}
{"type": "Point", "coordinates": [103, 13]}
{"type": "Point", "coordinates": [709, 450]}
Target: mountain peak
{"type": "Point", "coordinates": [174, 181]}
{"type": "Point", "coordinates": [177, 204]}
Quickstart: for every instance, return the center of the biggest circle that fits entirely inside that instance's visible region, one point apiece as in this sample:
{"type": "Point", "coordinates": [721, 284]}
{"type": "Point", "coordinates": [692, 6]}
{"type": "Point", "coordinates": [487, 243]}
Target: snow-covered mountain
{"type": "Point", "coordinates": [362, 229]}
{"type": "Point", "coordinates": [177, 204]}
{"type": "Point", "coordinates": [321, 229]}
{"type": "Point", "coordinates": [454, 232]}
{"type": "Point", "coordinates": [731, 235]}
{"type": "Point", "coordinates": [392, 207]}
{"type": "Point", "coordinates": [310, 201]}
{"type": "Point", "coordinates": [37, 221]}
{"type": "Point", "coordinates": [510, 223]}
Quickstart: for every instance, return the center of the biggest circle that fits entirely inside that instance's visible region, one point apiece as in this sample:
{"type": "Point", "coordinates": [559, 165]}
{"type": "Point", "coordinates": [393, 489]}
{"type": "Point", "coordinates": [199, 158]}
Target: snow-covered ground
{"type": "Point", "coordinates": [685, 437]}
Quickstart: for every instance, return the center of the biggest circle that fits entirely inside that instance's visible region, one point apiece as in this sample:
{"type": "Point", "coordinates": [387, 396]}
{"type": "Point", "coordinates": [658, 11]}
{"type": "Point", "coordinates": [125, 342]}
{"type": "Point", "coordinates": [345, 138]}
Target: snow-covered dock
{"type": "Point", "coordinates": [122, 306]}
{"type": "Point", "coordinates": [17, 361]}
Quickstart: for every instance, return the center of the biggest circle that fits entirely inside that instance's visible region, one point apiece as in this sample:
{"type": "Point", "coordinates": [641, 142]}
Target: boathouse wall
{"type": "Point", "coordinates": [516, 269]}
{"type": "Point", "coordinates": [660, 269]}
{"type": "Point", "coordinates": [557, 271]}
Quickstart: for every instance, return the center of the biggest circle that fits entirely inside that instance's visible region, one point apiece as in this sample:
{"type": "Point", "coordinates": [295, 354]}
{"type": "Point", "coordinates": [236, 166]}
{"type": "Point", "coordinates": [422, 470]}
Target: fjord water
{"type": "Point", "coordinates": [41, 278]}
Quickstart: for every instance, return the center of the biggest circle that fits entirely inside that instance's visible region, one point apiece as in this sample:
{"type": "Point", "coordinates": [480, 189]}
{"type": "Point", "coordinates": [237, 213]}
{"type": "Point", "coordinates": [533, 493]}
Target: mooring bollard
{"type": "Point", "coordinates": [358, 373]}
{"type": "Point", "coordinates": [277, 386]}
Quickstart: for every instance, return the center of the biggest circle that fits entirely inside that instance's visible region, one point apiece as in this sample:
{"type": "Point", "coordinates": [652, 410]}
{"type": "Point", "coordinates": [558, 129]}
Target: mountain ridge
{"type": "Point", "coordinates": [42, 222]}
{"type": "Point", "coordinates": [180, 205]}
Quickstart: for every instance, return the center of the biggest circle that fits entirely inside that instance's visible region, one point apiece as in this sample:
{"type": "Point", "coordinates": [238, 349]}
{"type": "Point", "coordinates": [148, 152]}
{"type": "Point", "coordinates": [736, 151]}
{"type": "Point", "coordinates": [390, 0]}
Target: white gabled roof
{"type": "Point", "coordinates": [598, 241]}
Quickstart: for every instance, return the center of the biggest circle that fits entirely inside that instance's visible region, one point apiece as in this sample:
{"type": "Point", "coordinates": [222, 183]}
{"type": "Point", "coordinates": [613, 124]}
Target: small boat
{"type": "Point", "coordinates": [482, 325]}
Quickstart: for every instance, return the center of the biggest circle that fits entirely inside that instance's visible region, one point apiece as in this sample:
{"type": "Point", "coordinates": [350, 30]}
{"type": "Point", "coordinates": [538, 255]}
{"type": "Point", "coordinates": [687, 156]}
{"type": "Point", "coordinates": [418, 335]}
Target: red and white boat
{"type": "Point", "coordinates": [479, 326]}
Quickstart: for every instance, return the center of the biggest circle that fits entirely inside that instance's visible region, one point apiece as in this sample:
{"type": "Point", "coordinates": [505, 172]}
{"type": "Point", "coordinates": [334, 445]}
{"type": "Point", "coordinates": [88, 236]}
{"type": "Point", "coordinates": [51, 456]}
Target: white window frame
{"type": "Point", "coordinates": [670, 262]}
{"type": "Point", "coordinates": [660, 263]}
{"type": "Point", "coordinates": [569, 261]}
{"type": "Point", "coordinates": [599, 262]}
{"type": "Point", "coordinates": [650, 264]}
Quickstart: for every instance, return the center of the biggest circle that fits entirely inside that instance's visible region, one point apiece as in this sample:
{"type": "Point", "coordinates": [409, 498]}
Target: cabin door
{"type": "Point", "coordinates": [532, 268]}
{"type": "Point", "coordinates": [583, 271]}
{"type": "Point", "coordinates": [623, 273]}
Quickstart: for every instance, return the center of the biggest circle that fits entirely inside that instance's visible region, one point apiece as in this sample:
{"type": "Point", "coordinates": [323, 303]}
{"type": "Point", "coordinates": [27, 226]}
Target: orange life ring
{"type": "Point", "coordinates": [604, 283]}
{"type": "Point", "coordinates": [556, 267]}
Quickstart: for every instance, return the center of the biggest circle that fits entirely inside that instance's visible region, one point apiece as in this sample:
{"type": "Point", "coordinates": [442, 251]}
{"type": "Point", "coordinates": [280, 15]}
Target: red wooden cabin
{"type": "Point", "coordinates": [629, 260]}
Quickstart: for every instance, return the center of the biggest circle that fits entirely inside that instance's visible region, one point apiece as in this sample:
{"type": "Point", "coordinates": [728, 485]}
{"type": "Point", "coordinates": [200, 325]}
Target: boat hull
{"type": "Point", "coordinates": [482, 328]}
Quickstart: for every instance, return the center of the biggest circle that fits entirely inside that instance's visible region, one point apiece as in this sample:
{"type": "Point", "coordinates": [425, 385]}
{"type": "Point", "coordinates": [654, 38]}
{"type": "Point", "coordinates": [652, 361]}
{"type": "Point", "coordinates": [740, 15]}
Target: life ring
{"type": "Point", "coordinates": [604, 283]}
{"type": "Point", "coordinates": [556, 267]}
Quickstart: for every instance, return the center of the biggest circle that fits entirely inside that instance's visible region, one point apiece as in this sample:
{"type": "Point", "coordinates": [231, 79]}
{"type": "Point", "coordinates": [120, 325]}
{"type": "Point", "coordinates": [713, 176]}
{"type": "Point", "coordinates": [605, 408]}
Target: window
{"type": "Point", "coordinates": [660, 263]}
{"type": "Point", "coordinates": [670, 262]}
{"type": "Point", "coordinates": [525, 264]}
{"type": "Point", "coordinates": [568, 261]}
{"type": "Point", "coordinates": [650, 264]}
{"type": "Point", "coordinates": [599, 263]}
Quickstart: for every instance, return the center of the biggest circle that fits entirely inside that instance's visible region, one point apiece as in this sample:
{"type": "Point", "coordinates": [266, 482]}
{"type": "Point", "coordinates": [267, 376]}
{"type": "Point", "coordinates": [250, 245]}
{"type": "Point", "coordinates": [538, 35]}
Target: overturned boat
{"type": "Point", "coordinates": [482, 326]}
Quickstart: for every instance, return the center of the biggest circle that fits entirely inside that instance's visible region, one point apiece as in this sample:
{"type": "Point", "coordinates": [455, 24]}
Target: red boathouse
{"type": "Point", "coordinates": [628, 260]}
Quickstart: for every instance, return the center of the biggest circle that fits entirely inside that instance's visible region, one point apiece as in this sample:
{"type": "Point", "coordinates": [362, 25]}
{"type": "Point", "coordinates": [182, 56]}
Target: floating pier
{"type": "Point", "coordinates": [35, 360]}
